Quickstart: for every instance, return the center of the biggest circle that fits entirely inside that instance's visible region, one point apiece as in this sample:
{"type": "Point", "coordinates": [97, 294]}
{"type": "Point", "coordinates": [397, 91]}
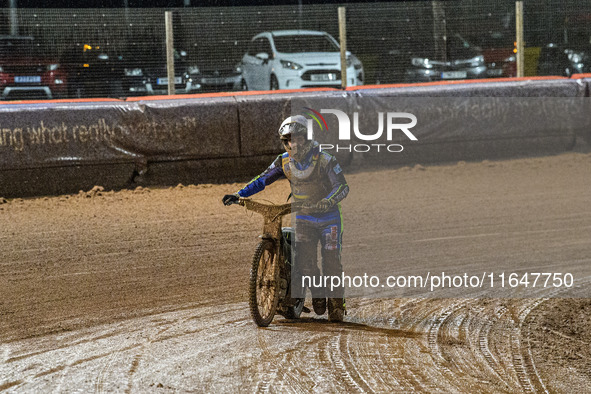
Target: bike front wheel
{"type": "Point", "coordinates": [264, 284]}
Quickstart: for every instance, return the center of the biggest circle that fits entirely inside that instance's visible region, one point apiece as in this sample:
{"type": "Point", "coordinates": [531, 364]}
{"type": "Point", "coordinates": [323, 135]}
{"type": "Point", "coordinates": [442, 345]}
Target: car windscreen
{"type": "Point", "coordinates": [456, 48]}
{"type": "Point", "coordinates": [493, 39]}
{"type": "Point", "coordinates": [152, 55]}
{"type": "Point", "coordinates": [304, 43]}
{"type": "Point", "coordinates": [459, 48]}
{"type": "Point", "coordinates": [18, 47]}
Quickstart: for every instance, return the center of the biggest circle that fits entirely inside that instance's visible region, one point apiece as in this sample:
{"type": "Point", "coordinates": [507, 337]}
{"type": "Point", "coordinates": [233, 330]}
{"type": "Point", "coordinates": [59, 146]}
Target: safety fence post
{"type": "Point", "coordinates": [520, 45]}
{"type": "Point", "coordinates": [169, 51]}
{"type": "Point", "coordinates": [343, 42]}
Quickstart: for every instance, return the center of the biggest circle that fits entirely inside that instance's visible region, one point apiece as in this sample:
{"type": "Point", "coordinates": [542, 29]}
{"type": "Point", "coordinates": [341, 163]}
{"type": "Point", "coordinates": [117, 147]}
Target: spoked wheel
{"type": "Point", "coordinates": [264, 284]}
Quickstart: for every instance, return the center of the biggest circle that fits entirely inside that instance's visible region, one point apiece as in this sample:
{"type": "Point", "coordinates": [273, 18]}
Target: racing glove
{"type": "Point", "coordinates": [324, 205]}
{"type": "Point", "coordinates": [230, 199]}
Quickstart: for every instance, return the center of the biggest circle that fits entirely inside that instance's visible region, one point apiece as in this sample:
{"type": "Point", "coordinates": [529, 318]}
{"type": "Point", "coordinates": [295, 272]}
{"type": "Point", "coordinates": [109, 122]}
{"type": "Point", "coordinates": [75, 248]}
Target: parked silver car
{"type": "Point", "coordinates": [461, 61]}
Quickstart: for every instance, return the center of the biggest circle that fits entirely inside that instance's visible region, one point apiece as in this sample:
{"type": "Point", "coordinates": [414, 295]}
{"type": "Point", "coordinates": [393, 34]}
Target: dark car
{"type": "Point", "coordinates": [554, 60]}
{"type": "Point", "coordinates": [28, 73]}
{"type": "Point", "coordinates": [418, 61]}
{"type": "Point", "coordinates": [224, 76]}
{"type": "Point", "coordinates": [145, 73]}
{"type": "Point", "coordinates": [498, 49]}
{"type": "Point", "coordinates": [500, 62]}
{"type": "Point", "coordinates": [391, 67]}
{"type": "Point", "coordinates": [94, 69]}
{"type": "Point", "coordinates": [565, 59]}
{"type": "Point", "coordinates": [571, 52]}
{"type": "Point", "coordinates": [462, 61]}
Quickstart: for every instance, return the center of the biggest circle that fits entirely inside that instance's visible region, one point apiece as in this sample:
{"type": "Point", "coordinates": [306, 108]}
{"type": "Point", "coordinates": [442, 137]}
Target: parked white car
{"type": "Point", "coordinates": [294, 59]}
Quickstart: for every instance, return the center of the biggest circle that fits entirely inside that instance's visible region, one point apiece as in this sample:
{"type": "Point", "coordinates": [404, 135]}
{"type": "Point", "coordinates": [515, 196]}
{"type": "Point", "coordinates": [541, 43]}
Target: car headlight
{"type": "Point", "coordinates": [133, 72]}
{"type": "Point", "coordinates": [510, 59]}
{"type": "Point", "coordinates": [193, 70]}
{"type": "Point", "coordinates": [574, 57]}
{"type": "Point", "coordinates": [477, 61]}
{"type": "Point", "coordinates": [421, 62]}
{"type": "Point", "coordinates": [53, 67]}
{"type": "Point", "coordinates": [291, 65]}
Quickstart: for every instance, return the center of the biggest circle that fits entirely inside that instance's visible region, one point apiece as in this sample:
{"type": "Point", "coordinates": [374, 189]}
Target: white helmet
{"type": "Point", "coordinates": [295, 125]}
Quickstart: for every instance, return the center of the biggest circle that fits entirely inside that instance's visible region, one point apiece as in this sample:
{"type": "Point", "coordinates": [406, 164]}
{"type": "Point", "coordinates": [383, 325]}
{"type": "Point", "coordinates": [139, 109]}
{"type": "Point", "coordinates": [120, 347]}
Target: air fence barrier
{"type": "Point", "coordinates": [52, 148]}
{"type": "Point", "coordinates": [585, 80]}
{"type": "Point", "coordinates": [484, 119]}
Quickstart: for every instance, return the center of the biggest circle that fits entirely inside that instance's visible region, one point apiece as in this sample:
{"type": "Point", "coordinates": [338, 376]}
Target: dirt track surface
{"type": "Point", "coordinates": [145, 290]}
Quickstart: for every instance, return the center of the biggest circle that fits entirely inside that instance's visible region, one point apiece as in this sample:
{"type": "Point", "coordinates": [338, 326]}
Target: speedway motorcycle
{"type": "Point", "coordinates": [270, 272]}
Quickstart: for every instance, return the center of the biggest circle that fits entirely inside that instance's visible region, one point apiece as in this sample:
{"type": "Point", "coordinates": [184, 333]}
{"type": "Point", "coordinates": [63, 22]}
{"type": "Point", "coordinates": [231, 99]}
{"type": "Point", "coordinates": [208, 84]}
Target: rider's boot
{"type": "Point", "coordinates": [331, 265]}
{"type": "Point", "coordinates": [319, 305]}
{"type": "Point", "coordinates": [336, 309]}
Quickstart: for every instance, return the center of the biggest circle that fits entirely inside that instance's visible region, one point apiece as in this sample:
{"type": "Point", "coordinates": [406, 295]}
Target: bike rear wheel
{"type": "Point", "coordinates": [264, 284]}
{"type": "Point", "coordinates": [294, 312]}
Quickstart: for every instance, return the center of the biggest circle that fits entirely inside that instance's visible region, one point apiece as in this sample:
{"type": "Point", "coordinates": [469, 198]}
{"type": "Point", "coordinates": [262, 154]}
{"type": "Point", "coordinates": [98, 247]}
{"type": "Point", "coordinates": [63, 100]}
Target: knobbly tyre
{"type": "Point", "coordinates": [270, 273]}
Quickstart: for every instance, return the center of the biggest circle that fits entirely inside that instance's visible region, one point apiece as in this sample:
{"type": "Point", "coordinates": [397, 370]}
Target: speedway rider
{"type": "Point", "coordinates": [316, 180]}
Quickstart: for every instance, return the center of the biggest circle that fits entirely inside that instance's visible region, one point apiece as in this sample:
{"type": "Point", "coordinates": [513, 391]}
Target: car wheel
{"type": "Point", "coordinates": [243, 85]}
{"type": "Point", "coordinates": [274, 83]}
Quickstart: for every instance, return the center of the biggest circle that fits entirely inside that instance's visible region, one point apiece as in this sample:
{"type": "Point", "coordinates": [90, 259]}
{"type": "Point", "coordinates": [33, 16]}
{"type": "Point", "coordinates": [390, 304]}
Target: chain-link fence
{"type": "Point", "coordinates": [78, 53]}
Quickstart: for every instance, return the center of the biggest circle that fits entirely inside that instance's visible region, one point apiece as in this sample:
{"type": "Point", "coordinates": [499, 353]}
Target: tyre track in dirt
{"type": "Point", "coordinates": [340, 358]}
{"type": "Point", "coordinates": [118, 347]}
{"type": "Point", "coordinates": [530, 378]}
{"type": "Point", "coordinates": [490, 323]}
{"type": "Point", "coordinates": [337, 362]}
{"type": "Point", "coordinates": [144, 290]}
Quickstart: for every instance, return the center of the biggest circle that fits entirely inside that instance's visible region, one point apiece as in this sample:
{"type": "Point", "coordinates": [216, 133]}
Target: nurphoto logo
{"type": "Point", "coordinates": [394, 122]}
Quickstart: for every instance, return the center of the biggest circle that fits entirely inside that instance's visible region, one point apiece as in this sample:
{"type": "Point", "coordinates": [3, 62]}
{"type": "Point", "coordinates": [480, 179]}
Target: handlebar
{"type": "Point", "coordinates": [271, 212]}
{"type": "Point", "coordinates": [272, 209]}
{"type": "Point", "coordinates": [247, 202]}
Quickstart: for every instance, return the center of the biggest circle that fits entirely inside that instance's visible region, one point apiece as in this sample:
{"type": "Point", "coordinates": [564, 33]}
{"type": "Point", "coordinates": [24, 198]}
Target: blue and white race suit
{"type": "Point", "coordinates": [317, 177]}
